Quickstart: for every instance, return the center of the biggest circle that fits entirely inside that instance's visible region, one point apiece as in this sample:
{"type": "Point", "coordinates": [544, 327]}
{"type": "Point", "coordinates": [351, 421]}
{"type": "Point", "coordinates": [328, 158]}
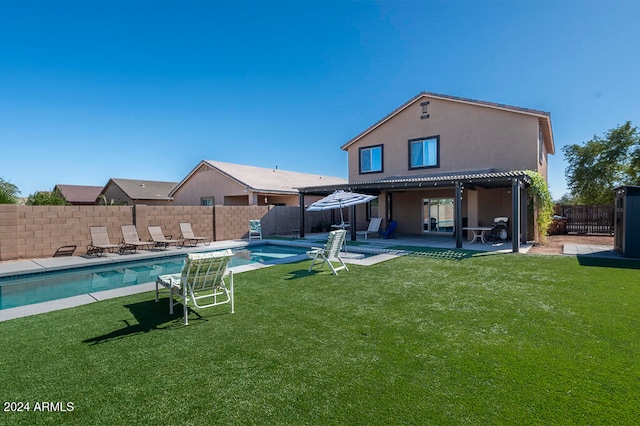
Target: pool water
{"type": "Point", "coordinates": [47, 286]}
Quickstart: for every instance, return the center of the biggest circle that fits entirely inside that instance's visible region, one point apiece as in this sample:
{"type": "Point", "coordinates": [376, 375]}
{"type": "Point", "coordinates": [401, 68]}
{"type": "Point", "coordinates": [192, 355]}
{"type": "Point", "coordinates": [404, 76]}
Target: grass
{"type": "Point", "coordinates": [423, 339]}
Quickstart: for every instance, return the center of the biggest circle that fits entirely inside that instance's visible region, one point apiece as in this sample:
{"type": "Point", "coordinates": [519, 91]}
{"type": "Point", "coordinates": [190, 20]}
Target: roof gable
{"type": "Point", "coordinates": [544, 118]}
{"type": "Point", "coordinates": [260, 179]}
{"type": "Point", "coordinates": [79, 193]}
{"type": "Point", "coordinates": [143, 189]}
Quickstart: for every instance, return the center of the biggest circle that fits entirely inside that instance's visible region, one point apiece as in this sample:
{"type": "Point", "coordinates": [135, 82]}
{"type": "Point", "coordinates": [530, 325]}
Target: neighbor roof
{"type": "Point", "coordinates": [79, 194]}
{"type": "Point", "coordinates": [260, 179]}
{"type": "Point", "coordinates": [143, 189]}
{"type": "Point", "coordinates": [544, 118]}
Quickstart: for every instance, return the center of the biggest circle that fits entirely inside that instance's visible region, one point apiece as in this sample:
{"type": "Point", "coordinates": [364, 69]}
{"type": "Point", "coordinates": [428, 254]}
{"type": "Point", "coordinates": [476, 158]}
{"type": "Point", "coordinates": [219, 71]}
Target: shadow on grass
{"type": "Point", "coordinates": [149, 315]}
{"type": "Point", "coordinates": [604, 262]}
{"type": "Point", "coordinates": [303, 273]}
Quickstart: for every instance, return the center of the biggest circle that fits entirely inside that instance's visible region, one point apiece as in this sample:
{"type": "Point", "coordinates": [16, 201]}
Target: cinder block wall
{"type": "Point", "coordinates": [232, 222]}
{"type": "Point", "coordinates": [170, 217]}
{"type": "Point", "coordinates": [29, 232]}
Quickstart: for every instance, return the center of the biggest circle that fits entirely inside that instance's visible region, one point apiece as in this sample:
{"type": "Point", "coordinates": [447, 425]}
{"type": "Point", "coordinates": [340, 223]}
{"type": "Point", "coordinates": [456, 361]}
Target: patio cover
{"type": "Point", "coordinates": [517, 180]}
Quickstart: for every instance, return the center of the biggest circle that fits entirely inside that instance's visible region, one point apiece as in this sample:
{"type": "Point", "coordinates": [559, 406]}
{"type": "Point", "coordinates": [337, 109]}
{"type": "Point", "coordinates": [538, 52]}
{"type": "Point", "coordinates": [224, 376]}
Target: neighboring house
{"type": "Point", "coordinates": [133, 191]}
{"type": "Point", "coordinates": [435, 149]}
{"type": "Point", "coordinates": [79, 195]}
{"type": "Point", "coordinates": [219, 183]}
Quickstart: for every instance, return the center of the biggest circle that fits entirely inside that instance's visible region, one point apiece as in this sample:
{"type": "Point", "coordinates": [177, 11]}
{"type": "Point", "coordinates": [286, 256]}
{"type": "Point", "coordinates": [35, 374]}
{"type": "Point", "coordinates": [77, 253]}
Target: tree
{"type": "Point", "coordinates": [45, 198]}
{"type": "Point", "coordinates": [598, 166]}
{"type": "Point", "coordinates": [8, 192]}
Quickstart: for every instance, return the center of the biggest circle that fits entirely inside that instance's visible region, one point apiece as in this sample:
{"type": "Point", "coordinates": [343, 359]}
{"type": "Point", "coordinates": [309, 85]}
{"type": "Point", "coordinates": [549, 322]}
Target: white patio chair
{"type": "Point", "coordinates": [330, 252]}
{"type": "Point", "coordinates": [374, 227]}
{"type": "Point", "coordinates": [255, 229]}
{"type": "Point", "coordinates": [202, 280]}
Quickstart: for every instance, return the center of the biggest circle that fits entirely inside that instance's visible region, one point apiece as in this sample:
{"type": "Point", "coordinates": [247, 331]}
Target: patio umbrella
{"type": "Point", "coordinates": [340, 199]}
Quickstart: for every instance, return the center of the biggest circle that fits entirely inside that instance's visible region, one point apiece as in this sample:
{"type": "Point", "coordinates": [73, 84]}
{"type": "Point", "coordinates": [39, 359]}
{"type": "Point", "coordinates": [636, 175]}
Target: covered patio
{"type": "Point", "coordinates": [466, 189]}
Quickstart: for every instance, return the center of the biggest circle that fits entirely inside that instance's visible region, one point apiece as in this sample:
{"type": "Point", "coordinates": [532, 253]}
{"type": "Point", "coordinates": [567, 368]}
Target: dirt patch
{"type": "Point", "coordinates": [555, 243]}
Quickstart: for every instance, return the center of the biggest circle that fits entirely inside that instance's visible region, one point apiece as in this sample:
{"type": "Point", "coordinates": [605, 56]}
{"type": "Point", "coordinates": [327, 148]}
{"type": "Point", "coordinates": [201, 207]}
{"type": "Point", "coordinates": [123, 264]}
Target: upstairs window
{"type": "Point", "coordinates": [424, 152]}
{"type": "Point", "coordinates": [371, 159]}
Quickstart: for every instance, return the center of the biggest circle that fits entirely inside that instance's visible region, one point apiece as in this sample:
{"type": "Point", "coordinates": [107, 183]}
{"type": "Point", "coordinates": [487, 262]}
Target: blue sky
{"type": "Point", "coordinates": [91, 90]}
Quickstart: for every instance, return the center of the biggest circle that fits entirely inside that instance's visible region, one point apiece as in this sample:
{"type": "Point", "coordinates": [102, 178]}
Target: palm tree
{"type": "Point", "coordinates": [8, 192]}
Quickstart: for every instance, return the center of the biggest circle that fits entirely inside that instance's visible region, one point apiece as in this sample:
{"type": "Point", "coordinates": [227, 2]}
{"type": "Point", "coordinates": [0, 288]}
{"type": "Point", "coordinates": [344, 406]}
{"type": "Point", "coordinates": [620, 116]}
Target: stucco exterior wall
{"type": "Point", "coordinates": [205, 183]}
{"type": "Point", "coordinates": [471, 138]}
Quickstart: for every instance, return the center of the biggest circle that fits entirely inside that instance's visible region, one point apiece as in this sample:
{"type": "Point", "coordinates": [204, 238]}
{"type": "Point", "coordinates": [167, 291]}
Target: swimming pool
{"type": "Point", "coordinates": [47, 286]}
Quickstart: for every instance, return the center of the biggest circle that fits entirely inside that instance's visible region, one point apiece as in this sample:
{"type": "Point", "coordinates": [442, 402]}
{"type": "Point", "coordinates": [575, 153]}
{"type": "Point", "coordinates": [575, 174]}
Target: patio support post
{"type": "Point", "coordinates": [515, 215]}
{"type": "Point", "coordinates": [524, 202]}
{"type": "Point", "coordinates": [458, 215]}
{"type": "Point", "coordinates": [353, 223]}
{"type": "Point", "coordinates": [302, 215]}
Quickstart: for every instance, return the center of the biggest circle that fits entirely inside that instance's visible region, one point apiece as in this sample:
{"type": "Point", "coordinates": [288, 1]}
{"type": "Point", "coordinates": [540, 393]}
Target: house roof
{"type": "Point", "coordinates": [260, 179]}
{"type": "Point", "coordinates": [544, 118]}
{"type": "Point", "coordinates": [79, 194]}
{"type": "Point", "coordinates": [484, 178]}
{"type": "Point", "coordinates": [143, 189]}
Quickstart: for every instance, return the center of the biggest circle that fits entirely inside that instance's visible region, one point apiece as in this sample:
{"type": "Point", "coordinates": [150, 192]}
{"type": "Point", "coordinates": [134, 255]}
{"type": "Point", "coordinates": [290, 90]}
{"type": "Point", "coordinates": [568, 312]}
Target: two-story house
{"type": "Point", "coordinates": [440, 163]}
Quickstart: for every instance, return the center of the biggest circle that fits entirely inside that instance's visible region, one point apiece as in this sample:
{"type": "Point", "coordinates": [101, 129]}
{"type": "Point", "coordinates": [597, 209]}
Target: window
{"type": "Point", "coordinates": [371, 159]}
{"type": "Point", "coordinates": [424, 152]}
{"type": "Point", "coordinates": [206, 201]}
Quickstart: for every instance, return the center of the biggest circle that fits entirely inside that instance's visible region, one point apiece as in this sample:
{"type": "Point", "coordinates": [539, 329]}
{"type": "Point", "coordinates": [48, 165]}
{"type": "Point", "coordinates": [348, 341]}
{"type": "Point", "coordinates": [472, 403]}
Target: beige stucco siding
{"type": "Point", "coordinates": [472, 137]}
{"type": "Point", "coordinates": [206, 182]}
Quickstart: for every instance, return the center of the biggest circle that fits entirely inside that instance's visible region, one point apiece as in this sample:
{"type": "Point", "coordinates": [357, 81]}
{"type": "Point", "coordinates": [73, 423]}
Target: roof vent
{"type": "Point", "coordinates": [425, 113]}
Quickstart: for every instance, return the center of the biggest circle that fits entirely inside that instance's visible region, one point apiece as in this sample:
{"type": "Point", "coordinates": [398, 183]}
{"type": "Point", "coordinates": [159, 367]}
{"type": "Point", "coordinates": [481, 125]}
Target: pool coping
{"type": "Point", "coordinates": [27, 267]}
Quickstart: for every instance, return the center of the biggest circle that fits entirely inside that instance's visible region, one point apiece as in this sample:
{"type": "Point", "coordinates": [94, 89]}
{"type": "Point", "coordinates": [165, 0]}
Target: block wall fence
{"type": "Point", "coordinates": [30, 232]}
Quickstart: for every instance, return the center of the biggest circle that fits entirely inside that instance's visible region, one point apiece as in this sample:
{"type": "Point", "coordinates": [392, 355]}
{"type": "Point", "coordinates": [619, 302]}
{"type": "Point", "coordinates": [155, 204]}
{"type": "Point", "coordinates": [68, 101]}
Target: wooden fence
{"type": "Point", "coordinates": [586, 219]}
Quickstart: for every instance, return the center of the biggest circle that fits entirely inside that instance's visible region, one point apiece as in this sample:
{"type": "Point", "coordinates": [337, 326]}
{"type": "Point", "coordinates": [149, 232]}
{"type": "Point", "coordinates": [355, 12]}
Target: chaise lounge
{"type": "Point", "coordinates": [158, 238]}
{"type": "Point", "coordinates": [100, 242]}
{"type": "Point", "coordinates": [330, 251]}
{"type": "Point", "coordinates": [202, 278]}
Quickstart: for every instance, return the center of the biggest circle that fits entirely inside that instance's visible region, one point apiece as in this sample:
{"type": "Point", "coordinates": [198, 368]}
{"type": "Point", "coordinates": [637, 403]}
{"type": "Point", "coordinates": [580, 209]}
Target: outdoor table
{"type": "Point", "coordinates": [478, 233]}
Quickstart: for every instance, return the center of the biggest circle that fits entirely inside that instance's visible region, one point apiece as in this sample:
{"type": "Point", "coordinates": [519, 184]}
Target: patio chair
{"type": "Point", "coordinates": [255, 229]}
{"type": "Point", "coordinates": [158, 238]}
{"type": "Point", "coordinates": [201, 282]}
{"type": "Point", "coordinates": [100, 241]}
{"type": "Point", "coordinates": [330, 252]}
{"type": "Point", "coordinates": [188, 237]}
{"type": "Point", "coordinates": [131, 241]}
{"type": "Point", "coordinates": [374, 227]}
{"type": "Point", "coordinates": [389, 232]}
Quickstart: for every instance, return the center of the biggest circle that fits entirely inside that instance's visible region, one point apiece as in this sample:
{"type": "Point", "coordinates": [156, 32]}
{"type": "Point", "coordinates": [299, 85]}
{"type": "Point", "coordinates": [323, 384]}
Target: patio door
{"type": "Point", "coordinates": [437, 216]}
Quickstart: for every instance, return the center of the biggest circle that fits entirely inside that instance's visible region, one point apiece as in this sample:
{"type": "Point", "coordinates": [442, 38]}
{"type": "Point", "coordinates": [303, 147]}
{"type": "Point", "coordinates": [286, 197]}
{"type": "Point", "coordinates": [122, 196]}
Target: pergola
{"type": "Point", "coordinates": [518, 181]}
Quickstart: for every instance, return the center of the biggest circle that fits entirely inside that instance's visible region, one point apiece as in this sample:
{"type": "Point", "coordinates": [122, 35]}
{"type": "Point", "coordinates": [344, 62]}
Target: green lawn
{"type": "Point", "coordinates": [443, 338]}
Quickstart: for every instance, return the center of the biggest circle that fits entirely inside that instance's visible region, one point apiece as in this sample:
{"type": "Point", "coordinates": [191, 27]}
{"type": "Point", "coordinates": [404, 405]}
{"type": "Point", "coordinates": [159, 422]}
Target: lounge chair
{"type": "Point", "coordinates": [202, 278]}
{"type": "Point", "coordinates": [374, 227]}
{"type": "Point", "coordinates": [100, 241]}
{"type": "Point", "coordinates": [389, 232]}
{"type": "Point", "coordinates": [131, 241]}
{"type": "Point", "coordinates": [255, 229]}
{"type": "Point", "coordinates": [330, 252]}
{"type": "Point", "coordinates": [158, 238]}
{"type": "Point", "coordinates": [188, 237]}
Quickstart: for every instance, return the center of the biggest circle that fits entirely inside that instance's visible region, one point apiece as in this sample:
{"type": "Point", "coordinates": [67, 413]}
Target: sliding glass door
{"type": "Point", "coordinates": [437, 215]}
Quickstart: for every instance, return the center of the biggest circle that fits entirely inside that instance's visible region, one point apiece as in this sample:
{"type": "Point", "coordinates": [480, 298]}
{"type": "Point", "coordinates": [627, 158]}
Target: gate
{"type": "Point", "coordinates": [587, 219]}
